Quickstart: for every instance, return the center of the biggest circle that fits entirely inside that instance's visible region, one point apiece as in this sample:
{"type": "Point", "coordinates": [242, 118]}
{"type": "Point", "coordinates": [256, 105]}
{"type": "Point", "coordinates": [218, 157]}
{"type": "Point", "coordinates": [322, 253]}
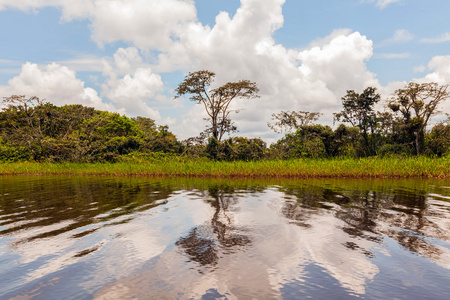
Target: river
{"type": "Point", "coordinates": [177, 238]}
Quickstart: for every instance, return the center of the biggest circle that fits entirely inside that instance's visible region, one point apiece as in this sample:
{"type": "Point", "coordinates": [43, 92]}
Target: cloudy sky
{"type": "Point", "coordinates": [128, 56]}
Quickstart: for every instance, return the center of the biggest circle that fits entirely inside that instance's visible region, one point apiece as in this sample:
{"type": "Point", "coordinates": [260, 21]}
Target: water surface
{"type": "Point", "coordinates": [144, 238]}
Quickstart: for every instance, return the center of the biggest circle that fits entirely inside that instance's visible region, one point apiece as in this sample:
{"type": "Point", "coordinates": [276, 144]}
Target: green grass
{"type": "Point", "coordinates": [413, 167]}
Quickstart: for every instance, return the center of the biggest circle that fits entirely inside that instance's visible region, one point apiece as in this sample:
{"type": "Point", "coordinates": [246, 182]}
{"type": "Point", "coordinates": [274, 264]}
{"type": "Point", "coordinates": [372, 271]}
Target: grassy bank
{"type": "Point", "coordinates": [302, 168]}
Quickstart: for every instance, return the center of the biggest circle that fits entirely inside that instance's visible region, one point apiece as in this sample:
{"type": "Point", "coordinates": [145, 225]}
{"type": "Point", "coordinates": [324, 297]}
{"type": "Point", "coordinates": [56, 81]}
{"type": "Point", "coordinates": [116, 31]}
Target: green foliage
{"type": "Point", "coordinates": [11, 154]}
{"type": "Point", "coordinates": [237, 148]}
{"type": "Point", "coordinates": [213, 148]}
{"type": "Point", "coordinates": [312, 141]}
{"type": "Point", "coordinates": [414, 105]}
{"type": "Point", "coordinates": [292, 120]}
{"type": "Point", "coordinates": [438, 141]}
{"type": "Point", "coordinates": [241, 148]}
{"type": "Point", "coordinates": [346, 142]}
{"type": "Point", "coordinates": [358, 110]}
{"type": "Point", "coordinates": [394, 150]}
{"type": "Point", "coordinates": [32, 129]}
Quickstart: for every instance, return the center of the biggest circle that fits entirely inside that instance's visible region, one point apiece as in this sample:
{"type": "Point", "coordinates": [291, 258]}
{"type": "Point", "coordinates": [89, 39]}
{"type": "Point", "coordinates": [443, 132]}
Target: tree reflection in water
{"type": "Point", "coordinates": [373, 215]}
{"type": "Point", "coordinates": [204, 242]}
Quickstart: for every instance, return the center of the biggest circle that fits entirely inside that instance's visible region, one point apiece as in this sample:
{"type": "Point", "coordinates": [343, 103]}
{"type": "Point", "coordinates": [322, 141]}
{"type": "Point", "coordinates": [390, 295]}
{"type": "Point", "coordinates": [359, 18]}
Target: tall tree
{"type": "Point", "coordinates": [216, 101]}
{"type": "Point", "coordinates": [416, 103]}
{"type": "Point", "coordinates": [359, 112]}
{"type": "Point", "coordinates": [289, 121]}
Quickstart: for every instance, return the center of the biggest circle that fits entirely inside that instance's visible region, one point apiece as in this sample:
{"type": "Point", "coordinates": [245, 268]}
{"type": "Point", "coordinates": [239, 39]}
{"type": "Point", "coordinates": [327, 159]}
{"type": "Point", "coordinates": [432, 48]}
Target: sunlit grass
{"type": "Point", "coordinates": [301, 168]}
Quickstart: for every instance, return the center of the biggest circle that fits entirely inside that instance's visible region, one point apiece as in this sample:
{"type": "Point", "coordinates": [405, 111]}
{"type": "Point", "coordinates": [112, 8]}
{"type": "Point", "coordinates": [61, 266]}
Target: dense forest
{"type": "Point", "coordinates": [35, 130]}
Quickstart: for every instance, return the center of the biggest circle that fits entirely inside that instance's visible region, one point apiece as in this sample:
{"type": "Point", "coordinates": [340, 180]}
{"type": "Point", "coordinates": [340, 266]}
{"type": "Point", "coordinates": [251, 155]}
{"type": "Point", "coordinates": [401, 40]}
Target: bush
{"type": "Point", "coordinates": [241, 148]}
{"type": "Point", "coordinates": [388, 150]}
{"type": "Point", "coordinates": [13, 154]}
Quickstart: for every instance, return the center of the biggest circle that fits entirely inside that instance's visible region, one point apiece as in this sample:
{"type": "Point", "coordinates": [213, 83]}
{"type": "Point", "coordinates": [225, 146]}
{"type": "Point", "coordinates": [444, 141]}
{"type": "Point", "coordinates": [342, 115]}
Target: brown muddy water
{"type": "Point", "coordinates": [143, 238]}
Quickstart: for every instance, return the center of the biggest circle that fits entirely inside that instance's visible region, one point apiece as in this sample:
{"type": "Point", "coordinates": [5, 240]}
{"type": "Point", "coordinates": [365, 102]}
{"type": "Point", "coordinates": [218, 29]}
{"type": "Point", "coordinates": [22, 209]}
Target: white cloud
{"type": "Point", "coordinates": [436, 40]}
{"type": "Point", "coordinates": [133, 87]}
{"type": "Point", "coordinates": [440, 65]}
{"type": "Point", "coordinates": [313, 79]}
{"type": "Point", "coordinates": [320, 42]}
{"type": "Point", "coordinates": [143, 84]}
{"type": "Point", "coordinates": [132, 91]}
{"type": "Point", "coordinates": [59, 85]}
{"type": "Point", "coordinates": [56, 83]}
{"type": "Point", "coordinates": [127, 60]}
{"type": "Point", "coordinates": [148, 24]}
{"type": "Point", "coordinates": [339, 64]}
{"type": "Point", "coordinates": [238, 47]}
{"type": "Point", "coordinates": [440, 73]}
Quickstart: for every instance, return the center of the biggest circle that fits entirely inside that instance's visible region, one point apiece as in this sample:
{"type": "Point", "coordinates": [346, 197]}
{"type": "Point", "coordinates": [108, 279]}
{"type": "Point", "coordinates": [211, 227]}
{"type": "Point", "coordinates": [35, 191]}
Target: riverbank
{"type": "Point", "coordinates": [411, 167]}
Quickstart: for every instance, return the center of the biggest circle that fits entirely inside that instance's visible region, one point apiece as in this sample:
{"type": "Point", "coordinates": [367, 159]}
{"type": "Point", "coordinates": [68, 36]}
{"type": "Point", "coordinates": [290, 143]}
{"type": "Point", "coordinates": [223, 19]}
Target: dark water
{"type": "Point", "coordinates": [141, 238]}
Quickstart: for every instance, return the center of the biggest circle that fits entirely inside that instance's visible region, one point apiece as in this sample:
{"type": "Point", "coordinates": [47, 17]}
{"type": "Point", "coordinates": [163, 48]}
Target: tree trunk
{"type": "Point", "coordinates": [416, 143]}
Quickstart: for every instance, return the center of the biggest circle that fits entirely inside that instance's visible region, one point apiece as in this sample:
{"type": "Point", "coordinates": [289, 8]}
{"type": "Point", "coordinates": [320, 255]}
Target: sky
{"type": "Point", "coordinates": [128, 56]}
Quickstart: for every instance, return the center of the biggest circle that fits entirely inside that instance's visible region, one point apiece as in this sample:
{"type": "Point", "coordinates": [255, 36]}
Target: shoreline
{"type": "Point", "coordinates": [410, 167]}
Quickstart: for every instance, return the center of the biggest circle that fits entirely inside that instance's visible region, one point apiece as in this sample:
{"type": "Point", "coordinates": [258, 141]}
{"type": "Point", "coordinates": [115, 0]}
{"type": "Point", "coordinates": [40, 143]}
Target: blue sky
{"type": "Point", "coordinates": [128, 56]}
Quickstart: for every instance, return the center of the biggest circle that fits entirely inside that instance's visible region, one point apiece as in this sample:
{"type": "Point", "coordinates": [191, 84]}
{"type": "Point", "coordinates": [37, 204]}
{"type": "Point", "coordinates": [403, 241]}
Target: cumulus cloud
{"type": "Point", "coordinates": [56, 83]}
{"type": "Point", "coordinates": [440, 67]}
{"type": "Point", "coordinates": [341, 63]}
{"type": "Point", "coordinates": [132, 86]}
{"type": "Point", "coordinates": [127, 94]}
{"type": "Point", "coordinates": [127, 60]}
{"type": "Point", "coordinates": [438, 71]}
{"type": "Point", "coordinates": [235, 48]}
{"type": "Point", "coordinates": [148, 24]}
{"type": "Point", "coordinates": [132, 91]}
{"type": "Point", "coordinates": [320, 42]}
{"type": "Point", "coordinates": [313, 79]}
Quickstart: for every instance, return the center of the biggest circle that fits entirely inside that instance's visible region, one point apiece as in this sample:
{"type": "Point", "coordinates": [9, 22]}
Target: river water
{"type": "Point", "coordinates": [149, 238]}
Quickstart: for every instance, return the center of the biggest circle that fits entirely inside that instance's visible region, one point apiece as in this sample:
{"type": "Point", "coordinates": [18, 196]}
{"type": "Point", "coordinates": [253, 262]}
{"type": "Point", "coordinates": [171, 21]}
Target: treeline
{"type": "Point", "coordinates": [31, 129]}
{"type": "Point", "coordinates": [399, 129]}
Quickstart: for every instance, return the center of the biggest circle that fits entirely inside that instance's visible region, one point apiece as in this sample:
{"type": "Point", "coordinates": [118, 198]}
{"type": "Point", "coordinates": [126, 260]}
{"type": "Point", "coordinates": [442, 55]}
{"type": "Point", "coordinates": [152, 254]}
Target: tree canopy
{"type": "Point", "coordinates": [289, 121]}
{"type": "Point", "coordinates": [358, 110]}
{"type": "Point", "coordinates": [416, 103]}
